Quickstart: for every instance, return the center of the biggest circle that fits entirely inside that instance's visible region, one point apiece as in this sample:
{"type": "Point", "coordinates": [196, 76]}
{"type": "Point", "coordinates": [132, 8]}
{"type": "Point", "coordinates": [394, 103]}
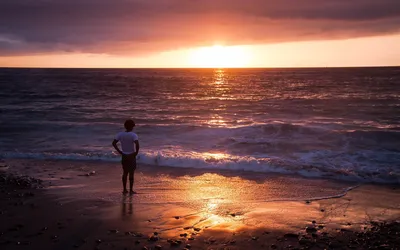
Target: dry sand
{"type": "Point", "coordinates": [183, 207]}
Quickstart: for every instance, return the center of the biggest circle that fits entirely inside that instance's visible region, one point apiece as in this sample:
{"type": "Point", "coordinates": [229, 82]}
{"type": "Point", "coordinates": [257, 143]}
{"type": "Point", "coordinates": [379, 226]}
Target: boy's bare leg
{"type": "Point", "coordinates": [131, 175]}
{"type": "Point", "coordinates": [124, 180]}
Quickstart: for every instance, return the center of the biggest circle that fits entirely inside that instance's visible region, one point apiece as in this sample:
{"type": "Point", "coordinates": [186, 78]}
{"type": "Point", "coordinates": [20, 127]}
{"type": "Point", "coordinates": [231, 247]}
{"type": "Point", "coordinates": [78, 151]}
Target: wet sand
{"type": "Point", "coordinates": [79, 205]}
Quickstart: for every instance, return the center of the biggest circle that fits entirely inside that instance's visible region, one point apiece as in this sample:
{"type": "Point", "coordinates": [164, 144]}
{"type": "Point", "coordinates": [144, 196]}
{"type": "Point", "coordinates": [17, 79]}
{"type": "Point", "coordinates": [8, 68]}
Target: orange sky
{"type": "Point", "coordinates": [207, 33]}
{"type": "Point", "coordinates": [370, 51]}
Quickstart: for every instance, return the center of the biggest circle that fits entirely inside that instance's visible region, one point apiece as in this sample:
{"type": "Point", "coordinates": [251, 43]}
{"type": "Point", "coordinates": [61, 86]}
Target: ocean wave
{"type": "Point", "coordinates": [320, 164]}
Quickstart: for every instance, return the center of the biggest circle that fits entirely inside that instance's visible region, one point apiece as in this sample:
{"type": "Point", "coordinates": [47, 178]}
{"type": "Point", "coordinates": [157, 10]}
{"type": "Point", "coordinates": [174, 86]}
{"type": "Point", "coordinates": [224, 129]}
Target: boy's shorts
{"type": "Point", "coordinates": [128, 163]}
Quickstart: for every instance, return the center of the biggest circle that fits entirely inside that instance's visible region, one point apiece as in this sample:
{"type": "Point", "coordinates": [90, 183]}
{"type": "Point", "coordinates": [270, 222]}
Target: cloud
{"type": "Point", "coordinates": [144, 26]}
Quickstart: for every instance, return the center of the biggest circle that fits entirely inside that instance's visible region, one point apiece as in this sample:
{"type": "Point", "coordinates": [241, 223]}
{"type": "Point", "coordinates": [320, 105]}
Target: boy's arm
{"type": "Point", "coordinates": [137, 147]}
{"type": "Point", "coordinates": [114, 143]}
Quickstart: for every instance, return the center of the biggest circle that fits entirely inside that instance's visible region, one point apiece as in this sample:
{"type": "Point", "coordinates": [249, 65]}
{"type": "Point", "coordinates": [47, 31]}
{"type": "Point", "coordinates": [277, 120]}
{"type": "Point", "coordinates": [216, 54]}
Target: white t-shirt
{"type": "Point", "coordinates": [127, 140]}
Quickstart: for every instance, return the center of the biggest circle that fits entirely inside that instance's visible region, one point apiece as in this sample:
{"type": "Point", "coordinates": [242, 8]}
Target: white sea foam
{"type": "Point", "coordinates": [338, 168]}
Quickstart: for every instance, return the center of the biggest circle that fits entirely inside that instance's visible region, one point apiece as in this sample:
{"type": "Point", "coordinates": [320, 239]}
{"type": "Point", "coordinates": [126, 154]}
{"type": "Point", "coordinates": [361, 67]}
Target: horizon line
{"type": "Point", "coordinates": [200, 68]}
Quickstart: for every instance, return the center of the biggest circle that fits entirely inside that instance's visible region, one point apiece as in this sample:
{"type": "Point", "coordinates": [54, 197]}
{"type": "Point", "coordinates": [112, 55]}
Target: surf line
{"type": "Point", "coordinates": [344, 193]}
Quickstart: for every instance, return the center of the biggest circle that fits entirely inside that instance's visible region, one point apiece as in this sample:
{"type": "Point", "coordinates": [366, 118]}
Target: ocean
{"type": "Point", "coordinates": [339, 123]}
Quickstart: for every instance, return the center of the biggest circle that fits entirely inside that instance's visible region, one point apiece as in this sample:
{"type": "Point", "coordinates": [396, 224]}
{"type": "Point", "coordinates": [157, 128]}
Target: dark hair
{"type": "Point", "coordinates": [129, 124]}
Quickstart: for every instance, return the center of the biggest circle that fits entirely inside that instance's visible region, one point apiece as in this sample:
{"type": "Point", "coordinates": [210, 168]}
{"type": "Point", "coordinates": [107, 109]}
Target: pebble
{"type": "Point", "coordinates": [177, 217]}
{"type": "Point", "coordinates": [304, 241]}
{"type": "Point", "coordinates": [145, 248]}
{"type": "Point", "coordinates": [196, 229]}
{"type": "Point", "coordinates": [273, 246]}
{"type": "Point", "coordinates": [311, 229]}
{"type": "Point", "coordinates": [98, 241]}
{"type": "Point", "coordinates": [137, 242]}
{"type": "Point", "coordinates": [191, 238]}
{"type": "Point", "coordinates": [291, 235]}
{"type": "Point", "coordinates": [254, 238]}
{"type": "Point", "coordinates": [114, 231]}
{"type": "Point", "coordinates": [158, 247]}
{"type": "Point", "coordinates": [153, 238]}
{"type": "Point", "coordinates": [155, 233]}
{"type": "Point", "coordinates": [184, 235]}
{"type": "Point", "coordinates": [188, 246]}
{"type": "Point", "coordinates": [174, 244]}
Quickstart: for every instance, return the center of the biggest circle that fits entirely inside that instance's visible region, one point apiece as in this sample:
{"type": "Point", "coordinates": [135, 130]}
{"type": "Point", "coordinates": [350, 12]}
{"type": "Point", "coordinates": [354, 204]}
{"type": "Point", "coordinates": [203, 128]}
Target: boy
{"type": "Point", "coordinates": [128, 152]}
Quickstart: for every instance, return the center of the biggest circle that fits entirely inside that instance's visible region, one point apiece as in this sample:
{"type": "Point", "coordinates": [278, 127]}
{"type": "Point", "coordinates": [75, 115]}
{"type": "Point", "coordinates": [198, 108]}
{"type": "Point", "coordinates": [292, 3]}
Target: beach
{"type": "Point", "coordinates": [79, 205]}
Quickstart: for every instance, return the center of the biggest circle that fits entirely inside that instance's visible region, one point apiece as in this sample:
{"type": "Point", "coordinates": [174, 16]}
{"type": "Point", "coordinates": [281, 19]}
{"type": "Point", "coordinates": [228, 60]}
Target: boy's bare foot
{"type": "Point", "coordinates": [132, 192]}
{"type": "Point", "coordinates": [125, 191]}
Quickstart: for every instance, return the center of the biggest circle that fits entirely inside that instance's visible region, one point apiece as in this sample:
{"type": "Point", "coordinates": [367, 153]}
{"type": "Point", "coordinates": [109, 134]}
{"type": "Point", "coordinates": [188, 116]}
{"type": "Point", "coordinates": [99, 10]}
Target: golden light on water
{"type": "Point", "coordinates": [219, 56]}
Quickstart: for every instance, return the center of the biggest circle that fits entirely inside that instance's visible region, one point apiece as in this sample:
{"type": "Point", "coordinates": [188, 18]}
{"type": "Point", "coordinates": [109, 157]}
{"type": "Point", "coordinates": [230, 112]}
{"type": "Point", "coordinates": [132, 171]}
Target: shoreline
{"type": "Point", "coordinates": [178, 206]}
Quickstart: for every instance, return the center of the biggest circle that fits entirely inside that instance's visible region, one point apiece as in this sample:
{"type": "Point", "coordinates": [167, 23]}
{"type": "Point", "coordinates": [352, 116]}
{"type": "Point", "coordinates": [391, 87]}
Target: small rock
{"type": "Point", "coordinates": [188, 246]}
{"type": "Point", "coordinates": [254, 238]}
{"type": "Point", "coordinates": [158, 247]}
{"type": "Point", "coordinates": [98, 241]}
{"type": "Point", "coordinates": [174, 244]}
{"type": "Point", "coordinates": [155, 233]}
{"type": "Point", "coordinates": [291, 235]}
{"type": "Point", "coordinates": [145, 248]}
{"type": "Point", "coordinates": [137, 242]}
{"type": "Point", "coordinates": [313, 222]}
{"type": "Point", "coordinates": [153, 238]}
{"type": "Point", "coordinates": [196, 229]}
{"type": "Point", "coordinates": [114, 231]}
{"type": "Point", "coordinates": [308, 202]}
{"type": "Point", "coordinates": [184, 235]}
{"type": "Point", "coordinates": [179, 241]}
{"type": "Point", "coordinates": [273, 246]}
{"type": "Point", "coordinates": [311, 229]}
{"type": "Point", "coordinates": [304, 241]}
{"type": "Point", "coordinates": [322, 210]}
{"type": "Point", "coordinates": [191, 238]}
{"type": "Point", "coordinates": [177, 217]}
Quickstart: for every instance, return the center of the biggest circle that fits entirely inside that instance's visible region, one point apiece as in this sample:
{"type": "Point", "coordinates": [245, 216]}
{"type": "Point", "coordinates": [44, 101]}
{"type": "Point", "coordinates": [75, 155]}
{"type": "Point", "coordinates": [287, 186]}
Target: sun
{"type": "Point", "coordinates": [218, 56]}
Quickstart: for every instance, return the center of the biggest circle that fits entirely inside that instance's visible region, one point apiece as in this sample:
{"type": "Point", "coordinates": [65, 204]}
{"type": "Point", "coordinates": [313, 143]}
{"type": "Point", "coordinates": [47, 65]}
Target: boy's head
{"type": "Point", "coordinates": [129, 124]}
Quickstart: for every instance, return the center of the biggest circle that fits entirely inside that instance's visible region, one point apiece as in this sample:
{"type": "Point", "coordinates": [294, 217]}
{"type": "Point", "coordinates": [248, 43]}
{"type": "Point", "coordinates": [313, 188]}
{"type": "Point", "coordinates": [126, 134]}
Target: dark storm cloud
{"type": "Point", "coordinates": [143, 26]}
